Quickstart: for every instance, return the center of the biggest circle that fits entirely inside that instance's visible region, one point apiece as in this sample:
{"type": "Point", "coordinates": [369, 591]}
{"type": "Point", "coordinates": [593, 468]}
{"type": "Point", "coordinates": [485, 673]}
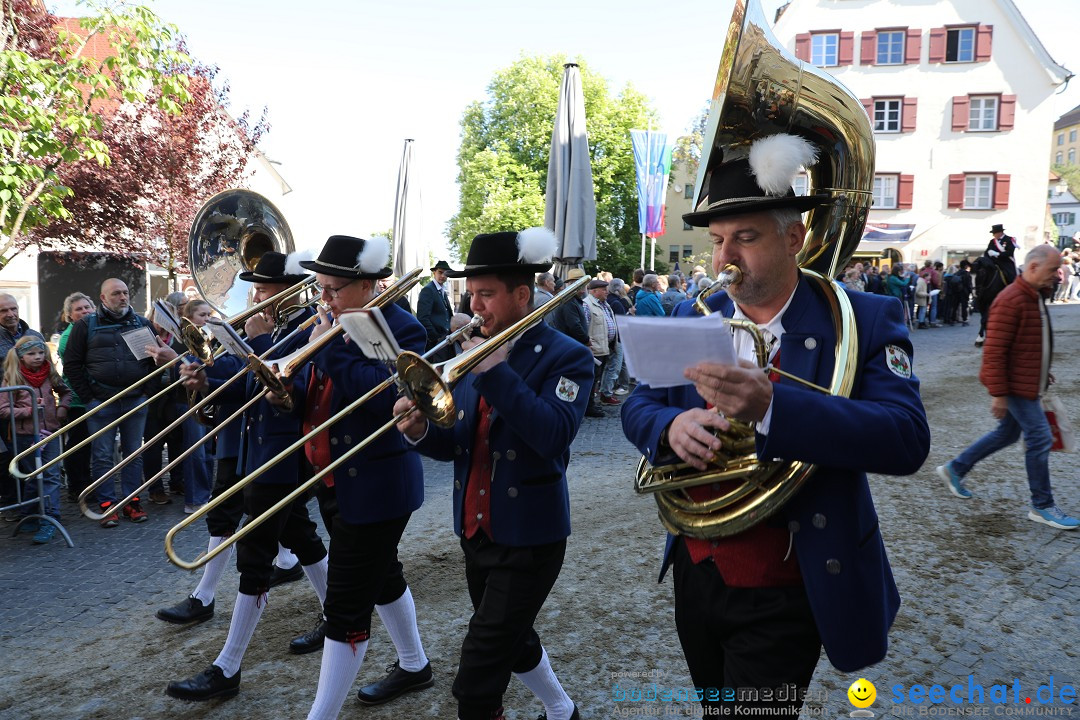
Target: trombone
{"type": "Point", "coordinates": [196, 344]}
{"type": "Point", "coordinates": [430, 386]}
{"type": "Point", "coordinates": [263, 372]}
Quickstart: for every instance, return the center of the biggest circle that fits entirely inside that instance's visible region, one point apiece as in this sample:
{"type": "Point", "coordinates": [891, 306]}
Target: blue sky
{"type": "Point", "coordinates": [347, 82]}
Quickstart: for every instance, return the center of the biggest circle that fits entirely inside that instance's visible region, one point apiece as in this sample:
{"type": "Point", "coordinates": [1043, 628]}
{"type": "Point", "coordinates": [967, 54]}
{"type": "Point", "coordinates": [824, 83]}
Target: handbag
{"type": "Point", "coordinates": [1060, 427]}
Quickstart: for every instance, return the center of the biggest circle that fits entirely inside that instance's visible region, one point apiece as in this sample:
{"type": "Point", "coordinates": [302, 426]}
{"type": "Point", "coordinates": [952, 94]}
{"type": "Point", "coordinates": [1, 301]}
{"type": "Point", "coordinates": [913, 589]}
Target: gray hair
{"type": "Point", "coordinates": [650, 280]}
{"type": "Point", "coordinates": [544, 277]}
{"type": "Point", "coordinates": [704, 283]}
{"type": "Point", "coordinates": [785, 218]}
{"type": "Point", "coordinates": [617, 286]}
{"type": "Point", "coordinates": [673, 280]}
{"type": "Point", "coordinates": [1041, 254]}
{"type": "Point", "coordinates": [71, 300]}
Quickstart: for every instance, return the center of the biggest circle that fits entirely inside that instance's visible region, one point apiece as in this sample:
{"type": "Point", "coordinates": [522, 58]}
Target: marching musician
{"type": "Point", "coordinates": [272, 276]}
{"type": "Point", "coordinates": [753, 609]}
{"type": "Point", "coordinates": [517, 416]}
{"type": "Point", "coordinates": [377, 489]}
{"type": "Point", "coordinates": [267, 429]}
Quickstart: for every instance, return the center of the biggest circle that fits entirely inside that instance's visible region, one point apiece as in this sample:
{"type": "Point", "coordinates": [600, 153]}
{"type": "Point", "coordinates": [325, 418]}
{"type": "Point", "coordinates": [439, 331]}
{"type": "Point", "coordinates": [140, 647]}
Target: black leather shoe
{"type": "Point", "coordinates": [310, 641]}
{"type": "Point", "coordinates": [188, 610]}
{"type": "Point", "coordinates": [280, 577]}
{"type": "Point", "coordinates": [397, 682]}
{"type": "Point", "coordinates": [210, 683]}
{"type": "Point", "coordinates": [574, 716]}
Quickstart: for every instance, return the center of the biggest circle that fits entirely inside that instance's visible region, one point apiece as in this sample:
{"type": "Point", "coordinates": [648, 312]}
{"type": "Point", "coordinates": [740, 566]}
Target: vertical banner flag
{"type": "Point", "coordinates": [652, 165]}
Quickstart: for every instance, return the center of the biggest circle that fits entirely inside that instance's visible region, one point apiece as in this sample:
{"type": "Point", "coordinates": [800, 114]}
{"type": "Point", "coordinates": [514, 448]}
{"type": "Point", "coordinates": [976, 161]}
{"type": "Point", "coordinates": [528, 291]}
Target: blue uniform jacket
{"type": "Point", "coordinates": [881, 428]}
{"type": "Point", "coordinates": [538, 398]}
{"type": "Point", "coordinates": [266, 429]}
{"type": "Point", "coordinates": [227, 443]}
{"type": "Point", "coordinates": [385, 480]}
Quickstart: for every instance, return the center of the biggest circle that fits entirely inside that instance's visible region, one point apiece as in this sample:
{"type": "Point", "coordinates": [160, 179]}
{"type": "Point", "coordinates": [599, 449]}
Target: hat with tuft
{"type": "Point", "coordinates": [528, 251]}
{"type": "Point", "coordinates": [352, 257]}
{"type": "Point", "coordinates": [274, 268]}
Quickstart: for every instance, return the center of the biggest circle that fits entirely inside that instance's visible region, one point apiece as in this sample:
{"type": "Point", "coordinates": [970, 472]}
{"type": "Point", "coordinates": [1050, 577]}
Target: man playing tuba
{"type": "Point", "coordinates": [754, 608]}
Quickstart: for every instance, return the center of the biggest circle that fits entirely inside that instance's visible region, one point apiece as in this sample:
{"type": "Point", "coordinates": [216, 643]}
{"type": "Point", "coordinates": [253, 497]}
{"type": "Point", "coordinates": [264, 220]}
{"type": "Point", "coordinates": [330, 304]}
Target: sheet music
{"type": "Point", "coordinates": [368, 329]}
{"type": "Point", "coordinates": [137, 340]}
{"type": "Point", "coordinates": [229, 339]}
{"type": "Point", "coordinates": [658, 350]}
{"type": "Point", "coordinates": [164, 317]}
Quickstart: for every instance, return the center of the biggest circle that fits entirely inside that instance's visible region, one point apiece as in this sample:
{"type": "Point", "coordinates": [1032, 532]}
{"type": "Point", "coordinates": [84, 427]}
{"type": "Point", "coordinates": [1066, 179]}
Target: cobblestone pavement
{"type": "Point", "coordinates": [987, 593]}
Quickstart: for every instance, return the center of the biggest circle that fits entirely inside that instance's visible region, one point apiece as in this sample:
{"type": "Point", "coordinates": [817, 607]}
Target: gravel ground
{"type": "Point", "coordinates": [986, 592]}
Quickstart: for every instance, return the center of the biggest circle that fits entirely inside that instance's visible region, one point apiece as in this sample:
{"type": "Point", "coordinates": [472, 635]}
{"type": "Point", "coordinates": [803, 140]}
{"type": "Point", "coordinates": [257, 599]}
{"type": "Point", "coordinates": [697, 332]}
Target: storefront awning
{"type": "Point", "coordinates": [878, 237]}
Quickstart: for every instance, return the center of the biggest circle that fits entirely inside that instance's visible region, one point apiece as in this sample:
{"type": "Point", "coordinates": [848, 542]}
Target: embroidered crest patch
{"type": "Point", "coordinates": [898, 361]}
{"type": "Point", "coordinates": [566, 390]}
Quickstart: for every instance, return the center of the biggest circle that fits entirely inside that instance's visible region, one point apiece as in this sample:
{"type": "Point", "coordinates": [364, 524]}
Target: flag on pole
{"type": "Point", "coordinates": [652, 165]}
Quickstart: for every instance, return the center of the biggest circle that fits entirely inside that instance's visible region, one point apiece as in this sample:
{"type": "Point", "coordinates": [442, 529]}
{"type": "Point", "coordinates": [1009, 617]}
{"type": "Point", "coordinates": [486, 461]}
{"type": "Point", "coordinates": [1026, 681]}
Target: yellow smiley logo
{"type": "Point", "coordinates": [862, 693]}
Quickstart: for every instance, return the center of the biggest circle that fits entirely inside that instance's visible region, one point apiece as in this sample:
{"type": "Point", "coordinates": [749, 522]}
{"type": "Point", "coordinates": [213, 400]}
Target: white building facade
{"type": "Point", "coordinates": [959, 94]}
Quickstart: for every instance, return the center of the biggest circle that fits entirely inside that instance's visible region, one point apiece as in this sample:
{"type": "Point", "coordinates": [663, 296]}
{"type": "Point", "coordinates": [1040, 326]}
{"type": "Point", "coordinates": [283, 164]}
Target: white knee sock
{"type": "Point", "coordinates": [285, 558]}
{"type": "Point", "coordinates": [211, 576]}
{"type": "Point", "coordinates": [399, 617]}
{"type": "Point", "coordinates": [316, 575]}
{"type": "Point", "coordinates": [245, 617]}
{"type": "Point", "coordinates": [545, 686]}
{"type": "Point", "coordinates": [340, 664]}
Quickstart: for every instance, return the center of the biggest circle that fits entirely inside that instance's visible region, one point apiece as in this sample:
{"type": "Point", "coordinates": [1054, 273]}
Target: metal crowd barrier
{"type": "Point", "coordinates": [40, 515]}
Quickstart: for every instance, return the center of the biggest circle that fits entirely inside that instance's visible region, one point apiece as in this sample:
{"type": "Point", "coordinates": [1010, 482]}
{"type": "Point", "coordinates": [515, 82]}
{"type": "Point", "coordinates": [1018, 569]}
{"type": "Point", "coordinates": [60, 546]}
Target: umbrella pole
{"type": "Point", "coordinates": [642, 265]}
{"type": "Point", "coordinates": [652, 260]}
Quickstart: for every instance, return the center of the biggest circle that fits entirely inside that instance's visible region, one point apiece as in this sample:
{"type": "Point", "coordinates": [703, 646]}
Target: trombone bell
{"type": "Point", "coordinates": [423, 384]}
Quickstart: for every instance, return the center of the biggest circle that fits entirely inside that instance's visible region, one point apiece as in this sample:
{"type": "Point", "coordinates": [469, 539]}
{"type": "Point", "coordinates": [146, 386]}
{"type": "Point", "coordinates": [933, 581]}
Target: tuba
{"type": "Point", "coordinates": [762, 89]}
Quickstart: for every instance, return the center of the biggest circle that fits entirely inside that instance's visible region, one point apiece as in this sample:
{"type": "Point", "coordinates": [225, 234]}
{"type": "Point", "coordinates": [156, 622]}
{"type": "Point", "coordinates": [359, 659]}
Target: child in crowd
{"type": "Point", "coordinates": [28, 363]}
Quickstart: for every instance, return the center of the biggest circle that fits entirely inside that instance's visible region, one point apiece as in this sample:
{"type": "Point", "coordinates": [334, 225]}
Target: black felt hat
{"type": "Point", "coordinates": [442, 265]}
{"type": "Point", "coordinates": [758, 183]}
{"type": "Point", "coordinates": [528, 251]}
{"type": "Point", "coordinates": [272, 268]}
{"type": "Point", "coordinates": [352, 257]}
{"type": "Point", "coordinates": [998, 228]}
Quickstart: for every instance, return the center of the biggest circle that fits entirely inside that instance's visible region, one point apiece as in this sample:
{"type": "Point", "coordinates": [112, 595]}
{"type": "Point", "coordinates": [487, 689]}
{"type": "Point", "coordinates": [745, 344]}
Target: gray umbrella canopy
{"type": "Point", "coordinates": [410, 248]}
{"type": "Point", "coordinates": [571, 204]}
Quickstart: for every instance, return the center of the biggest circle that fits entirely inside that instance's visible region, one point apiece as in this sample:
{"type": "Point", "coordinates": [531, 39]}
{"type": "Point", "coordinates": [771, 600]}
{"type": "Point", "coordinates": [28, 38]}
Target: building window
{"type": "Point", "coordinates": [673, 254]}
{"type": "Point", "coordinates": [1064, 218]}
{"type": "Point", "coordinates": [687, 251]}
{"type": "Point", "coordinates": [1061, 138]}
{"type": "Point", "coordinates": [890, 47]}
{"type": "Point", "coordinates": [978, 192]}
{"type": "Point", "coordinates": [983, 113]}
{"type": "Point", "coordinates": [824, 49]}
{"type": "Point", "coordinates": [687, 226]}
{"type": "Point", "coordinates": [887, 115]}
{"type": "Point", "coordinates": [801, 184]}
{"type": "Point", "coordinates": [960, 45]}
{"type": "Point", "coordinates": [688, 191]}
{"type": "Point", "coordinates": [885, 192]}
{"type": "Point", "coordinates": [1058, 158]}
{"type": "Point", "coordinates": [1072, 135]}
{"type": "Point", "coordinates": [1072, 156]}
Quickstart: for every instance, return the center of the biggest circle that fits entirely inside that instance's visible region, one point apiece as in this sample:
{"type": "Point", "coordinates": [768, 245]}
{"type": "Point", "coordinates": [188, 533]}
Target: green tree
{"type": "Point", "coordinates": [1071, 175]}
{"type": "Point", "coordinates": [503, 158]}
{"type": "Point", "coordinates": [52, 91]}
{"type": "Point", "coordinates": [687, 152]}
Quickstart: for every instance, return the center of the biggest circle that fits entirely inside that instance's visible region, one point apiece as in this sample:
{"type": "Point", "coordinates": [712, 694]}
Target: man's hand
{"type": "Point", "coordinates": [258, 324]}
{"type": "Point", "coordinates": [689, 436]}
{"type": "Point", "coordinates": [999, 406]}
{"type": "Point", "coordinates": [496, 357]}
{"type": "Point", "coordinates": [194, 377]}
{"type": "Point", "coordinates": [279, 400]}
{"type": "Point", "coordinates": [742, 392]}
{"type": "Point", "coordinates": [413, 426]}
{"type": "Point", "coordinates": [162, 354]}
{"type": "Point", "coordinates": [322, 327]}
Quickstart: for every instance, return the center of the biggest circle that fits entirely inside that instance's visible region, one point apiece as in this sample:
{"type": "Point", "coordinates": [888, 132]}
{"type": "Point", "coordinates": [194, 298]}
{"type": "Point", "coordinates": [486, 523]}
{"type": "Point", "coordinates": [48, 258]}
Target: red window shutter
{"type": "Point", "coordinates": [956, 191]}
{"type": "Point", "coordinates": [937, 45]}
{"type": "Point", "coordinates": [913, 47]}
{"type": "Point", "coordinates": [868, 105]}
{"type": "Point", "coordinates": [960, 106]}
{"type": "Point", "coordinates": [868, 48]}
{"type": "Point", "coordinates": [802, 46]}
{"type": "Point", "coordinates": [905, 191]}
{"type": "Point", "coordinates": [1007, 112]}
{"type": "Point", "coordinates": [1001, 191]}
{"type": "Point", "coordinates": [983, 43]}
{"type": "Point", "coordinates": [907, 117]}
{"type": "Point", "coordinates": [846, 53]}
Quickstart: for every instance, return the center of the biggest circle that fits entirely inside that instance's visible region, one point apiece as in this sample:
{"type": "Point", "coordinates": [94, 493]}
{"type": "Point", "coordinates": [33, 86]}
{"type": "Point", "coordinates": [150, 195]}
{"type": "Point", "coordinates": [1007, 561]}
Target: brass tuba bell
{"type": "Point", "coordinates": [761, 90]}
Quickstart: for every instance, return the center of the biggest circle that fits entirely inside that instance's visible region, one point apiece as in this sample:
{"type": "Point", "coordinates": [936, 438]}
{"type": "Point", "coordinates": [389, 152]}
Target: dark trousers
{"type": "Point", "coordinates": [328, 507]}
{"type": "Point", "coordinates": [290, 526]}
{"type": "Point", "coordinates": [159, 416]}
{"type": "Point", "coordinates": [364, 572]}
{"type": "Point", "coordinates": [223, 519]}
{"type": "Point", "coordinates": [77, 464]}
{"type": "Point", "coordinates": [508, 586]}
{"type": "Point", "coordinates": [745, 639]}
